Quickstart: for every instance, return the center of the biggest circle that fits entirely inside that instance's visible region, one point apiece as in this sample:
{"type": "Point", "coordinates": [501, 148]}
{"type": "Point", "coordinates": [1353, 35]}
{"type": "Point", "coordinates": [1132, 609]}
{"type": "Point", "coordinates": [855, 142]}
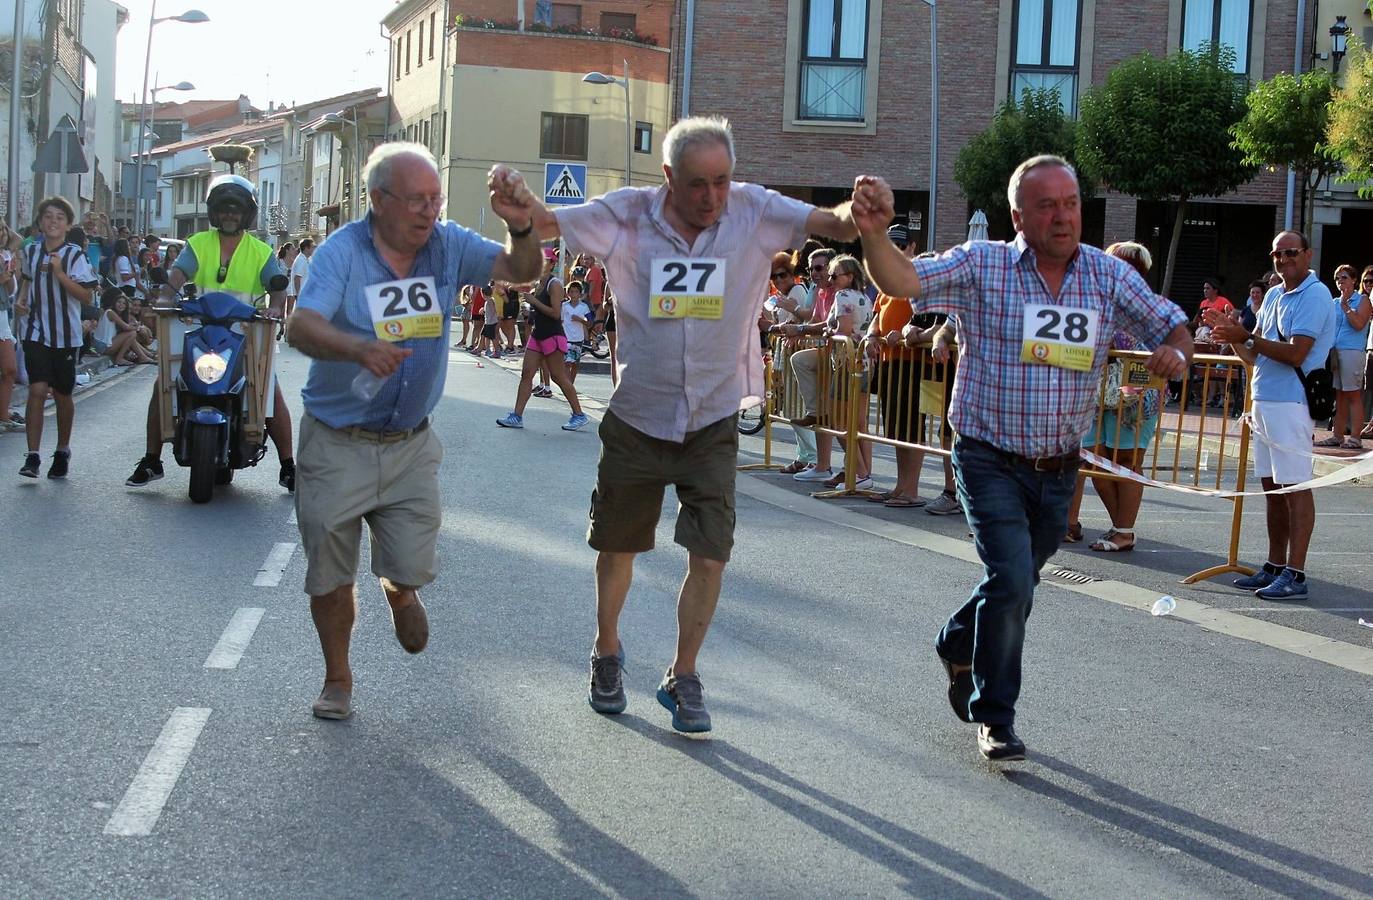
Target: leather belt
{"type": "Point", "coordinates": [1050, 464]}
{"type": "Point", "coordinates": [382, 437]}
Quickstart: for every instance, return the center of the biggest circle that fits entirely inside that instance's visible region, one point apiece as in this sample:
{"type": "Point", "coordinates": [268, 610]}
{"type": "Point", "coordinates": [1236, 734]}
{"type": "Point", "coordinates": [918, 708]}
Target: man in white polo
{"type": "Point", "coordinates": [689, 261]}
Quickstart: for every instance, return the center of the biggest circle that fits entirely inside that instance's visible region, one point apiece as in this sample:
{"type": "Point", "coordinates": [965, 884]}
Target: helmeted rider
{"type": "Point", "coordinates": [227, 258]}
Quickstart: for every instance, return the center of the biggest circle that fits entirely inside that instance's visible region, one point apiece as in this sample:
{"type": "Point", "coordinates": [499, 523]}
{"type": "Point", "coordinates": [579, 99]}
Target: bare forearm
{"type": "Point", "coordinates": [889, 268]}
{"type": "Point", "coordinates": [311, 334]}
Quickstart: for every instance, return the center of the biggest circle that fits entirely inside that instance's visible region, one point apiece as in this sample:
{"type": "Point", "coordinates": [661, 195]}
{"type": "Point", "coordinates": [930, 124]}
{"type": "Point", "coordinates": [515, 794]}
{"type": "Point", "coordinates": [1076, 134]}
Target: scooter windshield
{"type": "Point", "coordinates": [217, 306]}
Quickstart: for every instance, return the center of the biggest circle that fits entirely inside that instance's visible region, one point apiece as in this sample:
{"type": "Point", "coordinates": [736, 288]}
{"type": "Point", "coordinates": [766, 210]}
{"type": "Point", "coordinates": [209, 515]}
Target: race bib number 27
{"type": "Point", "coordinates": [1060, 336]}
{"type": "Point", "coordinates": [687, 288]}
{"type": "Point", "coordinates": [404, 309]}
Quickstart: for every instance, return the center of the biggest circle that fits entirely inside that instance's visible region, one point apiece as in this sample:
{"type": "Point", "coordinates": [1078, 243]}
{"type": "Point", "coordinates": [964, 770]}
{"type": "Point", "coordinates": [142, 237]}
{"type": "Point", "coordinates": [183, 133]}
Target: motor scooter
{"type": "Point", "coordinates": [211, 394]}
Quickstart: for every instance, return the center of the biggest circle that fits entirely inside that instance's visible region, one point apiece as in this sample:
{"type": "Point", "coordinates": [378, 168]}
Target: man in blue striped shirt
{"type": "Point", "coordinates": [374, 315]}
{"type": "Point", "coordinates": [1036, 317]}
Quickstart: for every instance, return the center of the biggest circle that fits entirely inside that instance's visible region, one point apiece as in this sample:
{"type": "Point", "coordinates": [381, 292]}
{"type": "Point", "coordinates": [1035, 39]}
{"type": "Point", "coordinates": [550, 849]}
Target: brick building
{"type": "Point", "coordinates": [821, 90]}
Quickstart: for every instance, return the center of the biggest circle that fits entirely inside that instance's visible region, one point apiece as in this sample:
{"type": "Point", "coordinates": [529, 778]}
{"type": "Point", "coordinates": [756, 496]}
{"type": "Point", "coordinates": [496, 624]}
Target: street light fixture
{"type": "Point", "coordinates": [151, 135]}
{"type": "Point", "coordinates": [189, 17]}
{"type": "Point", "coordinates": [1339, 42]}
{"type": "Point", "coordinates": [934, 122]}
{"type": "Point", "coordinates": [598, 78]}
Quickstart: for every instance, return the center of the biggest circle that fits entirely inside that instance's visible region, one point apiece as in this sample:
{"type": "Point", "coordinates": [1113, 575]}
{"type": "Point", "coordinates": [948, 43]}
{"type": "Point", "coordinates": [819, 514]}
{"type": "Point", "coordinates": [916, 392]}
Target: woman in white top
{"type": "Point", "coordinates": [125, 268]}
{"type": "Point", "coordinates": [116, 334]}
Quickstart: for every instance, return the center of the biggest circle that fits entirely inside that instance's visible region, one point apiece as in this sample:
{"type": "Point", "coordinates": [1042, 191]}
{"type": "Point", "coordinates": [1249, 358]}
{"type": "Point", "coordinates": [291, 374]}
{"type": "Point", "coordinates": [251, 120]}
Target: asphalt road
{"type": "Point", "coordinates": [1167, 760]}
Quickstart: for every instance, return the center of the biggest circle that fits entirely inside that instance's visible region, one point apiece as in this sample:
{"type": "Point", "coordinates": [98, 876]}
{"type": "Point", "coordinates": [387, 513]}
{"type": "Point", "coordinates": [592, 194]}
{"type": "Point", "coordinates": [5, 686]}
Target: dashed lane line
{"type": "Point", "coordinates": [1313, 646]}
{"type": "Point", "coordinates": [234, 641]}
{"type": "Point", "coordinates": [275, 565]}
{"type": "Point", "coordinates": [138, 811]}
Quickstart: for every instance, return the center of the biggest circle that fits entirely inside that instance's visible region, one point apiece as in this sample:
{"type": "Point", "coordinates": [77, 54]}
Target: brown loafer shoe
{"type": "Point", "coordinates": [808, 421]}
{"type": "Point", "coordinates": [412, 626]}
{"type": "Point", "coordinates": [335, 702]}
{"type": "Point", "coordinates": [792, 467]}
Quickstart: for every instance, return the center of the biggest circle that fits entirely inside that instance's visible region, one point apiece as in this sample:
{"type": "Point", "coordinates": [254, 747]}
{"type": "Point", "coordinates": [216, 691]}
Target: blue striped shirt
{"type": "Point", "coordinates": [341, 269]}
{"type": "Point", "coordinates": [1029, 408]}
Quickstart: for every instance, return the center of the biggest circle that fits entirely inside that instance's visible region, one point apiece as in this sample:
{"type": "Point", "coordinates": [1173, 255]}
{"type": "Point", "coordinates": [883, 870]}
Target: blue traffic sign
{"type": "Point", "coordinates": [564, 184]}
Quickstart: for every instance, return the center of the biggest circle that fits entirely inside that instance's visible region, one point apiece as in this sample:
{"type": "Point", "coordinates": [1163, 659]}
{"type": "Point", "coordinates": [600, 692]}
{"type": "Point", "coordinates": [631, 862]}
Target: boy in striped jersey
{"type": "Point", "coordinates": [55, 279]}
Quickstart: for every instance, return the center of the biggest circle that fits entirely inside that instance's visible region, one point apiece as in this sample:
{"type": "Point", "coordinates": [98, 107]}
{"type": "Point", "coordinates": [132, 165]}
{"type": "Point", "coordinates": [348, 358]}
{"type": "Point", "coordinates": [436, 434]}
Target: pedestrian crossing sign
{"type": "Point", "coordinates": [564, 184]}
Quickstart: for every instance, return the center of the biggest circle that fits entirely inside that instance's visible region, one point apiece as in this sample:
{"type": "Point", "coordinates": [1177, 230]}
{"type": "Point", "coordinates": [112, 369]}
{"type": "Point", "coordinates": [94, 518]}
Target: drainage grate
{"type": "Point", "coordinates": [1070, 576]}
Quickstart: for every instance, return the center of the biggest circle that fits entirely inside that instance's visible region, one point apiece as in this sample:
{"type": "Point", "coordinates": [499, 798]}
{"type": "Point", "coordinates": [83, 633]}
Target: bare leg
{"type": "Point", "coordinates": [908, 463]}
{"type": "Point", "coordinates": [9, 371]}
{"type": "Point", "coordinates": [279, 427]}
{"type": "Point", "coordinates": [532, 361]}
{"type": "Point", "coordinates": [33, 414]}
{"type": "Point", "coordinates": [614, 371]}
{"type": "Point", "coordinates": [614, 572]}
{"type": "Point", "coordinates": [66, 412]}
{"type": "Point", "coordinates": [154, 442]}
{"type": "Point", "coordinates": [334, 614]}
{"type": "Point", "coordinates": [559, 376]}
{"type": "Point", "coordinates": [1277, 524]}
{"type": "Point", "coordinates": [695, 608]}
{"type": "Point", "coordinates": [1301, 521]}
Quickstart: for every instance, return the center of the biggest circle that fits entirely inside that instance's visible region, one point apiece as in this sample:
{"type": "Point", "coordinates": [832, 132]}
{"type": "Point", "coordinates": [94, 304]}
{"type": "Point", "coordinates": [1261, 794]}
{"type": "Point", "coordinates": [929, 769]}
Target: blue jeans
{"type": "Point", "coordinates": [1018, 517]}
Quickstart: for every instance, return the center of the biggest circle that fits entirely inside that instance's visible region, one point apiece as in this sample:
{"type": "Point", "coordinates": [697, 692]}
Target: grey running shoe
{"type": "Point", "coordinates": [682, 696]}
{"type": "Point", "coordinates": [946, 505]}
{"type": "Point", "coordinates": [607, 691]}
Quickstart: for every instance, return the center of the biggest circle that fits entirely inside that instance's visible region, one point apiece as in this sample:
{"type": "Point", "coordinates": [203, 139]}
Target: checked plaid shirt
{"type": "Point", "coordinates": [1028, 408]}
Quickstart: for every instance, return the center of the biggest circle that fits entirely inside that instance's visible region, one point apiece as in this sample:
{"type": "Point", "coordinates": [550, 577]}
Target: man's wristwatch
{"type": "Point", "coordinates": [1249, 342]}
{"type": "Point", "coordinates": [523, 232]}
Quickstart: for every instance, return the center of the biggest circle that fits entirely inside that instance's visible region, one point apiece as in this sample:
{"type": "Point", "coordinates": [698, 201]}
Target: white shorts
{"type": "Point", "coordinates": [1347, 369]}
{"type": "Point", "coordinates": [1288, 425]}
{"type": "Point", "coordinates": [6, 333]}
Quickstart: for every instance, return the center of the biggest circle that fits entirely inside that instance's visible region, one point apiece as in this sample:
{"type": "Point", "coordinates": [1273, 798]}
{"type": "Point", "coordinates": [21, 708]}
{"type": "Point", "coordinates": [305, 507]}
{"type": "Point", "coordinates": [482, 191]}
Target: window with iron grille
{"type": "Point", "coordinates": [834, 60]}
{"type": "Point", "coordinates": [562, 136]}
{"type": "Point", "coordinates": [1045, 53]}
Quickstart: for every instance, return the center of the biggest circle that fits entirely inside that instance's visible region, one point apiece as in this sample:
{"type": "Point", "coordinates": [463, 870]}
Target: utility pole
{"type": "Point", "coordinates": [16, 98]}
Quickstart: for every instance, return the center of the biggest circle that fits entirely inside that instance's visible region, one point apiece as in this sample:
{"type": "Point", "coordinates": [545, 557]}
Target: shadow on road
{"type": "Point", "coordinates": [1225, 848]}
{"type": "Point", "coordinates": [921, 861]}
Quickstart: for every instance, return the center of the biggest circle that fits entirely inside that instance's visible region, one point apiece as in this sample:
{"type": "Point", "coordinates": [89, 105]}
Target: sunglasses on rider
{"type": "Point", "coordinates": [780, 274]}
{"type": "Point", "coordinates": [1288, 252]}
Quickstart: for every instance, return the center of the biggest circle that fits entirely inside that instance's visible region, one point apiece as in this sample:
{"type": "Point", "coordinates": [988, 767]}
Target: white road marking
{"type": "Point", "coordinates": [1309, 609]}
{"type": "Point", "coordinates": [277, 561]}
{"type": "Point", "coordinates": [142, 804]}
{"type": "Point", "coordinates": [235, 638]}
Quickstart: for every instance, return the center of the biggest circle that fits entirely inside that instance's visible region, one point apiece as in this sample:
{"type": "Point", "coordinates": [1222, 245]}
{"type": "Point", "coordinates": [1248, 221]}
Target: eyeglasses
{"type": "Point", "coordinates": [780, 274]}
{"type": "Point", "coordinates": [1287, 252]}
{"type": "Point", "coordinates": [418, 204]}
{"type": "Point", "coordinates": [817, 268]}
{"type": "Point", "coordinates": [1367, 281]}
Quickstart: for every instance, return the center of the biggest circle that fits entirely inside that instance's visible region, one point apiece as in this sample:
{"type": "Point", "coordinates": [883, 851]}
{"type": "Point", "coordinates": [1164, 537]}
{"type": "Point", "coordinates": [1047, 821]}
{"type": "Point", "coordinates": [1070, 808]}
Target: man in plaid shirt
{"type": "Point", "coordinates": [1036, 316]}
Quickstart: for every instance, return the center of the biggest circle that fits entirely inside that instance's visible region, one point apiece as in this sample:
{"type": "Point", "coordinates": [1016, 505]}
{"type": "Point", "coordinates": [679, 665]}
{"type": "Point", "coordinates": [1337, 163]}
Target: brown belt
{"type": "Point", "coordinates": [381, 437]}
{"type": "Point", "coordinates": [1049, 464]}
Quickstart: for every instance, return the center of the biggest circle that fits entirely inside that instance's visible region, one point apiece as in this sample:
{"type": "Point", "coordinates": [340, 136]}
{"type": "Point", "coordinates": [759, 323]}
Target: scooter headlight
{"type": "Point", "coordinates": [211, 367]}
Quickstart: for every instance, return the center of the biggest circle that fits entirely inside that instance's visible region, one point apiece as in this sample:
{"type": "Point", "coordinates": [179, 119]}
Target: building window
{"type": "Point", "coordinates": [611, 21]}
{"type": "Point", "coordinates": [1046, 45]}
{"type": "Point", "coordinates": [425, 136]}
{"type": "Point", "coordinates": [407, 51]}
{"type": "Point", "coordinates": [400, 54]}
{"type": "Point", "coordinates": [432, 27]}
{"type": "Point", "coordinates": [569, 14]}
{"type": "Point", "coordinates": [834, 61]}
{"type": "Point", "coordinates": [643, 137]}
{"type": "Point", "coordinates": [419, 57]}
{"type": "Point", "coordinates": [1218, 22]}
{"type": "Point", "coordinates": [562, 136]}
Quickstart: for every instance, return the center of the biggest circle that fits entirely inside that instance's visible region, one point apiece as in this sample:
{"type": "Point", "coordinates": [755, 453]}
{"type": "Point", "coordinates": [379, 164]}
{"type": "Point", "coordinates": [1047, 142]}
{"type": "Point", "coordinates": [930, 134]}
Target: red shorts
{"type": "Point", "coordinates": [547, 346]}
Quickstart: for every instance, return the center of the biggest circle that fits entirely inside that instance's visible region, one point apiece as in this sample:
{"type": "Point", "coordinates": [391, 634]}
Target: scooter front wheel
{"type": "Point", "coordinates": [204, 442]}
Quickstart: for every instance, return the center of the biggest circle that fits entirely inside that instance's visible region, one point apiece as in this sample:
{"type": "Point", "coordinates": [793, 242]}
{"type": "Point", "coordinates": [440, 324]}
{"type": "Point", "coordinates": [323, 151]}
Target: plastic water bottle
{"type": "Point", "coordinates": [1164, 606]}
{"type": "Point", "coordinates": [1205, 460]}
{"type": "Point", "coordinates": [366, 385]}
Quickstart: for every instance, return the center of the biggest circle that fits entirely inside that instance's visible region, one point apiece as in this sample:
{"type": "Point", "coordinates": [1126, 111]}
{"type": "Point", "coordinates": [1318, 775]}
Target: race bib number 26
{"type": "Point", "coordinates": [687, 288]}
{"type": "Point", "coordinates": [404, 309]}
{"type": "Point", "coordinates": [1060, 336]}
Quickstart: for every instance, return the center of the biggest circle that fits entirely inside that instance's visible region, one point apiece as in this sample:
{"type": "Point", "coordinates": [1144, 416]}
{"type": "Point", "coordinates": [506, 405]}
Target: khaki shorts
{"type": "Point", "coordinates": [633, 473]}
{"type": "Point", "coordinates": [343, 479]}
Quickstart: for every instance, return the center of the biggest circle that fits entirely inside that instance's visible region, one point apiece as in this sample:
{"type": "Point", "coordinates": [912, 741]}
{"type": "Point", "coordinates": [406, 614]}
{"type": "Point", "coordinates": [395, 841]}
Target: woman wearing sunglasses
{"type": "Point", "coordinates": [1347, 359]}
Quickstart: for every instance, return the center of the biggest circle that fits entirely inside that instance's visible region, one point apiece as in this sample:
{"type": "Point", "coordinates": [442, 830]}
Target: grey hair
{"type": "Point", "coordinates": [377, 173]}
{"type": "Point", "coordinates": [693, 132]}
{"type": "Point", "coordinates": [1028, 166]}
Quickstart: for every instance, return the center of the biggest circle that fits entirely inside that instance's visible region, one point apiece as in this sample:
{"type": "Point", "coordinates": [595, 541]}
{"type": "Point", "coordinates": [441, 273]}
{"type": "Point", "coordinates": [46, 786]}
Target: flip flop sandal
{"type": "Point", "coordinates": [1104, 544]}
{"type": "Point", "coordinates": [901, 501]}
{"type": "Point", "coordinates": [1074, 534]}
{"type": "Point", "coordinates": [880, 496]}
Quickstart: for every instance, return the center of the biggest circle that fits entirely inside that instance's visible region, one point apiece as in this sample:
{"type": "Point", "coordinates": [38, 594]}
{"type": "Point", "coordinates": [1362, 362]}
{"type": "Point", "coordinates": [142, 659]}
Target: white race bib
{"type": "Point", "coordinates": [1060, 336]}
{"type": "Point", "coordinates": [687, 288]}
{"type": "Point", "coordinates": [405, 308]}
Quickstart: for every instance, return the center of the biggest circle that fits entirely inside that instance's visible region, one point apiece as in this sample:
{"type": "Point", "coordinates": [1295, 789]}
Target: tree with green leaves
{"type": "Point", "coordinates": [1159, 129]}
{"type": "Point", "coordinates": [1019, 130]}
{"type": "Point", "coordinates": [1285, 125]}
{"type": "Point", "coordinates": [1350, 134]}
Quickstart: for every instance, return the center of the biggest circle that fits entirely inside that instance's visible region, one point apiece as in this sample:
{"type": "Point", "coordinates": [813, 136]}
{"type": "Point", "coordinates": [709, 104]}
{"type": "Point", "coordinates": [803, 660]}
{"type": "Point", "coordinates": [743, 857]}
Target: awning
{"type": "Point", "coordinates": [329, 212]}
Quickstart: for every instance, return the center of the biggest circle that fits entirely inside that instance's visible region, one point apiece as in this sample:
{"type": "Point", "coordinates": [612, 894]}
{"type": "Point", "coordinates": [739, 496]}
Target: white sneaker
{"type": "Point", "coordinates": [863, 484]}
{"type": "Point", "coordinates": [811, 473]}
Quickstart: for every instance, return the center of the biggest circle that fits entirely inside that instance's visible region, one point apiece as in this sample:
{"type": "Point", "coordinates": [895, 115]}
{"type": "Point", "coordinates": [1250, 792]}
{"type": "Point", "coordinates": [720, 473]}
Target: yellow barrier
{"type": "Point", "coordinates": [902, 401]}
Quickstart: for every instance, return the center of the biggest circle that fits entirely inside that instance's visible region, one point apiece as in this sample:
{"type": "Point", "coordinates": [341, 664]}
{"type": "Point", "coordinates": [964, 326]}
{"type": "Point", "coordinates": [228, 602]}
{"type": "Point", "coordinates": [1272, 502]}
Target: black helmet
{"type": "Point", "coordinates": [232, 189]}
{"type": "Point", "coordinates": [579, 271]}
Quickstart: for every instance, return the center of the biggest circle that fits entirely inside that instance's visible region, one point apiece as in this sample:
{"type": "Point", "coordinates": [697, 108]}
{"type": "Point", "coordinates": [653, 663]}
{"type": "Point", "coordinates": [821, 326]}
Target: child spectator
{"type": "Point", "coordinates": [117, 331]}
{"type": "Point", "coordinates": [576, 313]}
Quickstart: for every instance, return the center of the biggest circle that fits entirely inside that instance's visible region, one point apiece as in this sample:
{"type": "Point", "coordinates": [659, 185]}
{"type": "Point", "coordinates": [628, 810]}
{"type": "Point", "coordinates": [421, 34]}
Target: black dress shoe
{"type": "Point", "coordinates": [999, 743]}
{"type": "Point", "coordinates": [960, 687]}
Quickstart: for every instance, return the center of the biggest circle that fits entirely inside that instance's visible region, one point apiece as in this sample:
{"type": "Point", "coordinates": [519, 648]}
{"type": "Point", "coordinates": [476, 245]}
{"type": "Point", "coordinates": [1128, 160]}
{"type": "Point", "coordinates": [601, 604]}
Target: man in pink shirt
{"type": "Point", "coordinates": [690, 261]}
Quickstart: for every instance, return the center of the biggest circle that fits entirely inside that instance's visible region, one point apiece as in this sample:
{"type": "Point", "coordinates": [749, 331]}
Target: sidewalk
{"type": "Point", "coordinates": [1221, 434]}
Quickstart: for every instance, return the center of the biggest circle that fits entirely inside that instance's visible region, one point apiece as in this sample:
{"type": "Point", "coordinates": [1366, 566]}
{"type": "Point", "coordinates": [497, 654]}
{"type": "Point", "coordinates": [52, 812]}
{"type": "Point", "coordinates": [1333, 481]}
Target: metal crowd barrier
{"type": "Point", "coordinates": [903, 401]}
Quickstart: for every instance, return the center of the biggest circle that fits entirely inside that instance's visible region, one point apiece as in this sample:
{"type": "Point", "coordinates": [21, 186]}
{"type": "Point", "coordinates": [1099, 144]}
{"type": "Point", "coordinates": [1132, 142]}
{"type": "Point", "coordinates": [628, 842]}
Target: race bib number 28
{"type": "Point", "coordinates": [404, 309]}
{"type": "Point", "coordinates": [1060, 336]}
{"type": "Point", "coordinates": [687, 288]}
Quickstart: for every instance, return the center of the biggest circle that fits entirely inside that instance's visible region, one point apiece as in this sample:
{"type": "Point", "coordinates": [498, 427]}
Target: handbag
{"type": "Point", "coordinates": [1319, 386]}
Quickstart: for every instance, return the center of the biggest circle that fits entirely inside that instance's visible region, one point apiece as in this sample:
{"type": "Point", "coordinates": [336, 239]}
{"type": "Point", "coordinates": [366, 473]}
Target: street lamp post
{"type": "Point", "coordinates": [598, 78]}
{"type": "Point", "coordinates": [1339, 43]}
{"type": "Point", "coordinates": [934, 121]}
{"type": "Point", "coordinates": [150, 134]}
{"type": "Point", "coordinates": [190, 17]}
{"type": "Point", "coordinates": [338, 119]}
